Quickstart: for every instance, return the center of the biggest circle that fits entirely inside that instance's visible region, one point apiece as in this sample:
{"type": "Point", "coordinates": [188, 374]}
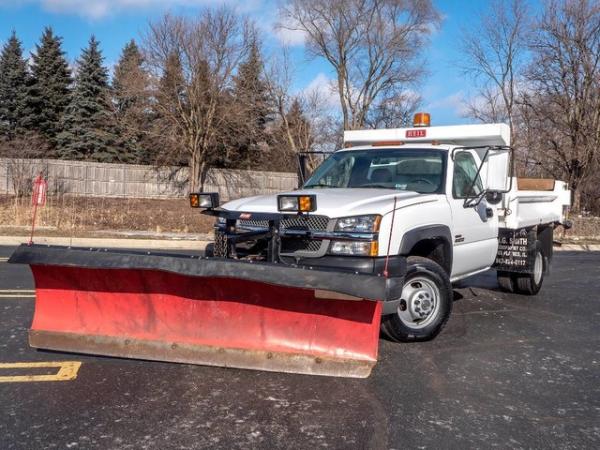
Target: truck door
{"type": "Point", "coordinates": [475, 228]}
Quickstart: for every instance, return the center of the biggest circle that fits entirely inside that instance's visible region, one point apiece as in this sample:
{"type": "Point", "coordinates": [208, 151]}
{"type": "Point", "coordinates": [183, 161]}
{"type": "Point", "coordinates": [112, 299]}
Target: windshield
{"type": "Point", "coordinates": [405, 170]}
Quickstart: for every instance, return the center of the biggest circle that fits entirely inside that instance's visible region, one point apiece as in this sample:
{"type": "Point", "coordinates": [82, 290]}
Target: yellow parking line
{"type": "Point", "coordinates": [67, 371]}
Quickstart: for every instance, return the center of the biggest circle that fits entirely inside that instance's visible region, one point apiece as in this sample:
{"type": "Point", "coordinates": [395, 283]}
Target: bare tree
{"type": "Point", "coordinates": [495, 55]}
{"type": "Point", "coordinates": [294, 127]}
{"type": "Point", "coordinates": [22, 159]}
{"type": "Point", "coordinates": [207, 49]}
{"type": "Point", "coordinates": [304, 122]}
{"type": "Point", "coordinates": [373, 46]}
{"type": "Point", "coordinates": [563, 99]}
{"type": "Point", "coordinates": [395, 112]}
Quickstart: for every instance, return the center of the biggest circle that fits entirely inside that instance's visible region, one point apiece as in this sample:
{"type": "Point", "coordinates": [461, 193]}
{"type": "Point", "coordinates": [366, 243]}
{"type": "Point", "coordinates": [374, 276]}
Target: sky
{"type": "Point", "coordinates": [115, 22]}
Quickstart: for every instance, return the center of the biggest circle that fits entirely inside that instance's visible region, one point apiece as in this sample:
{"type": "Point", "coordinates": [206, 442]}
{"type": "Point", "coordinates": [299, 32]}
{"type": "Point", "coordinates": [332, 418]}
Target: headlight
{"type": "Point", "coordinates": [354, 248]}
{"type": "Point", "coordinates": [359, 224]}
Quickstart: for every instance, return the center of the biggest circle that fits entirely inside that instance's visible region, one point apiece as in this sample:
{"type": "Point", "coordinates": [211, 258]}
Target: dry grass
{"type": "Point", "coordinates": [584, 228]}
{"type": "Point", "coordinates": [74, 215]}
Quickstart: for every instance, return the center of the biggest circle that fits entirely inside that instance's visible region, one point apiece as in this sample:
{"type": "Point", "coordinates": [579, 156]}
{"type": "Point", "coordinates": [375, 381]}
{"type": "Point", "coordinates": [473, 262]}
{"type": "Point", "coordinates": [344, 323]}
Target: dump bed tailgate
{"type": "Point", "coordinates": [533, 202]}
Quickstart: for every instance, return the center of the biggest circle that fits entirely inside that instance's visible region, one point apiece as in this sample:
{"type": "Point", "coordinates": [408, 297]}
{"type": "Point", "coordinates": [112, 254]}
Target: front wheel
{"type": "Point", "coordinates": [425, 305]}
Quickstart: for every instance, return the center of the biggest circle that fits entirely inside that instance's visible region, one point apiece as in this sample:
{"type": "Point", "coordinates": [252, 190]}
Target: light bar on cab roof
{"type": "Point", "coordinates": [460, 135]}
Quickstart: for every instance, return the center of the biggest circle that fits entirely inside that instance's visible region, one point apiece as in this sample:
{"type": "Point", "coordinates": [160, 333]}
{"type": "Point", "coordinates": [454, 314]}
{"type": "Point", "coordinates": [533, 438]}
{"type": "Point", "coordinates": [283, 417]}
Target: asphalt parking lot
{"type": "Point", "coordinates": [508, 371]}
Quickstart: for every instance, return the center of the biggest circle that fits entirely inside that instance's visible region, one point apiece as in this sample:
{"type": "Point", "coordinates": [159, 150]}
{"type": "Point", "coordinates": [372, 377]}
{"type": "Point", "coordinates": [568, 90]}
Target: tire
{"type": "Point", "coordinates": [506, 281]}
{"type": "Point", "coordinates": [531, 283]}
{"type": "Point", "coordinates": [425, 280]}
{"type": "Point", "coordinates": [220, 245]}
{"type": "Point", "coordinates": [209, 251]}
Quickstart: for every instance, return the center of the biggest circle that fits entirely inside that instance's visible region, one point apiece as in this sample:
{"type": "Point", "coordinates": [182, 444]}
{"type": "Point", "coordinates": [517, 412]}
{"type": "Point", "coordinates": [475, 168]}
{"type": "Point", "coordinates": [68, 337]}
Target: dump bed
{"type": "Point", "coordinates": [533, 201]}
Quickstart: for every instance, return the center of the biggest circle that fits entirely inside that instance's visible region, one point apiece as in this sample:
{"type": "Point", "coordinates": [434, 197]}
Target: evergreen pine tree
{"type": "Point", "coordinates": [88, 122]}
{"type": "Point", "coordinates": [48, 89]}
{"type": "Point", "coordinates": [171, 90]}
{"type": "Point", "coordinates": [129, 65]}
{"type": "Point", "coordinates": [170, 95]}
{"type": "Point", "coordinates": [13, 89]}
{"type": "Point", "coordinates": [299, 127]}
{"type": "Point", "coordinates": [253, 111]}
{"type": "Point", "coordinates": [132, 105]}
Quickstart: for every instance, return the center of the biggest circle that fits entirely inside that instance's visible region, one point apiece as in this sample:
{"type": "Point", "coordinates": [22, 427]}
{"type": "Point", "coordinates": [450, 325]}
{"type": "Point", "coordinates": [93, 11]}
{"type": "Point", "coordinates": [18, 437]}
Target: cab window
{"type": "Point", "coordinates": [465, 171]}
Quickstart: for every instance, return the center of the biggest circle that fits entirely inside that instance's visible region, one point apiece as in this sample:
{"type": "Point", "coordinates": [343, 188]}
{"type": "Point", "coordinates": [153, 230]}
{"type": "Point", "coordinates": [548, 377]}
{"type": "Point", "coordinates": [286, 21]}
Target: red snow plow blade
{"type": "Point", "coordinates": [119, 304]}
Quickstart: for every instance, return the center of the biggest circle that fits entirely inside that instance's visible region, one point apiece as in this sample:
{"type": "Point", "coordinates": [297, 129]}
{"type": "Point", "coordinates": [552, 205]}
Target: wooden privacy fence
{"type": "Point", "coordinates": [135, 181]}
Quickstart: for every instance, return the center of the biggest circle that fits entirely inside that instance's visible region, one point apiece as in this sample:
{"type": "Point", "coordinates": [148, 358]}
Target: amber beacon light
{"type": "Point", "coordinates": [421, 119]}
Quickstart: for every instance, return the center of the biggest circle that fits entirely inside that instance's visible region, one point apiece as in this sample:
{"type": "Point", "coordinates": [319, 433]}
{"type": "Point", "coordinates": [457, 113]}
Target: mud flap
{"type": "Point", "coordinates": [158, 315]}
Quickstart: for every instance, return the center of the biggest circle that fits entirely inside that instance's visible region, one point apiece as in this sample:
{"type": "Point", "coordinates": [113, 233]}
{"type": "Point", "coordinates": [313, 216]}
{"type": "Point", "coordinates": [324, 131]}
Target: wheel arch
{"type": "Point", "coordinates": [431, 241]}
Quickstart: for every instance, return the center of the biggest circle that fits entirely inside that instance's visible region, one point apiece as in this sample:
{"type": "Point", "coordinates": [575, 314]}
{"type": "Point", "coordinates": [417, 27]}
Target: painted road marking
{"type": "Point", "coordinates": [17, 293]}
{"type": "Point", "coordinates": [3, 258]}
{"type": "Point", "coordinates": [67, 371]}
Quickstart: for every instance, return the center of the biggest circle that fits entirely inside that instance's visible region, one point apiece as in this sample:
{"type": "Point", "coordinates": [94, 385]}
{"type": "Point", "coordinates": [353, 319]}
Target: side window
{"type": "Point", "coordinates": [465, 171]}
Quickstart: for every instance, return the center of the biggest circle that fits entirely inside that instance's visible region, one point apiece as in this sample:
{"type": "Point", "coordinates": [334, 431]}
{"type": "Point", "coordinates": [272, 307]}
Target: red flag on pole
{"type": "Point", "coordinates": [38, 198]}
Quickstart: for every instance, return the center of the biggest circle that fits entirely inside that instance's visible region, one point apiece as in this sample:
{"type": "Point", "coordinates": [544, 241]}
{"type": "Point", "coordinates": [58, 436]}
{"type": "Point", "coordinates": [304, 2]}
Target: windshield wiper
{"type": "Point", "coordinates": [375, 186]}
{"type": "Point", "coordinates": [310, 186]}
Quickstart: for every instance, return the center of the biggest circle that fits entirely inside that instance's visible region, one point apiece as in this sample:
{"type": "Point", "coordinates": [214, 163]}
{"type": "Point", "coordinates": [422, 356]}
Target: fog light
{"type": "Point", "coordinates": [354, 248]}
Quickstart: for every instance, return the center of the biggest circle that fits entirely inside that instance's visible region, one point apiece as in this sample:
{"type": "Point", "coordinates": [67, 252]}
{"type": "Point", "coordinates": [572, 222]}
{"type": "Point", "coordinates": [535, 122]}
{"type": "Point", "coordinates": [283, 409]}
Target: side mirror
{"type": "Point", "coordinates": [497, 173]}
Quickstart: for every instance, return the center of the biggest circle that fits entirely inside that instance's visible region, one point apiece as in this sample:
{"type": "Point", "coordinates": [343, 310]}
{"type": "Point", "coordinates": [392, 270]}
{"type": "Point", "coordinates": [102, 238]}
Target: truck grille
{"type": "Point", "coordinates": [317, 223]}
{"type": "Point", "coordinates": [292, 245]}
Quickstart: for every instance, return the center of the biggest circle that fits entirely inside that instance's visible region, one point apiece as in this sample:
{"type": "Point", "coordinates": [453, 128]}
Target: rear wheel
{"type": "Point", "coordinates": [506, 281]}
{"type": "Point", "coordinates": [425, 305]}
{"type": "Point", "coordinates": [531, 283]}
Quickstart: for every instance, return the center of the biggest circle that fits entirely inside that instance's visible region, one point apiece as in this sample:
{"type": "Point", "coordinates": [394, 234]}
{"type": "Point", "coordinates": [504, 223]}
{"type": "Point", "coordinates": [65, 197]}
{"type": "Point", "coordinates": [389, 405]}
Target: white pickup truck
{"type": "Point", "coordinates": [427, 205]}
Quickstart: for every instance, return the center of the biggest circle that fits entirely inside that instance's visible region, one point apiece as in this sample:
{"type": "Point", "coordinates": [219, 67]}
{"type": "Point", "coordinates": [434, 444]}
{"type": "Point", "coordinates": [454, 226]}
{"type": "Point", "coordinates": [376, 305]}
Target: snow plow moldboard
{"type": "Point", "coordinates": [211, 311]}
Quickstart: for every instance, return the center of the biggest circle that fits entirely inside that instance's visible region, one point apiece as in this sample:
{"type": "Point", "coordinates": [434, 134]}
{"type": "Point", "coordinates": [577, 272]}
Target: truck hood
{"type": "Point", "coordinates": [338, 202]}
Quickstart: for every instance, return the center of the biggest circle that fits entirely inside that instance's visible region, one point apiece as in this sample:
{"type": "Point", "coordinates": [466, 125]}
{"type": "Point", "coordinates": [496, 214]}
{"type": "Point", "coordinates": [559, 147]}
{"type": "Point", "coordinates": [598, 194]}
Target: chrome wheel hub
{"type": "Point", "coordinates": [538, 268]}
{"type": "Point", "coordinates": [420, 302]}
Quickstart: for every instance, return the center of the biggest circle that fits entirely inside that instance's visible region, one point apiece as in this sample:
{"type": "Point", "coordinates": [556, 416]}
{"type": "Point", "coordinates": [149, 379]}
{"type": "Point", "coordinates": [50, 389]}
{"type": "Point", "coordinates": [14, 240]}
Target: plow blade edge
{"type": "Point", "coordinates": [99, 303]}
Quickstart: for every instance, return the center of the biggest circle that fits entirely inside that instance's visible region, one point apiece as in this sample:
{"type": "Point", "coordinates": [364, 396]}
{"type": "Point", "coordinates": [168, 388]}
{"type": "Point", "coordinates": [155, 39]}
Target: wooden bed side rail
{"type": "Point", "coordinates": [535, 184]}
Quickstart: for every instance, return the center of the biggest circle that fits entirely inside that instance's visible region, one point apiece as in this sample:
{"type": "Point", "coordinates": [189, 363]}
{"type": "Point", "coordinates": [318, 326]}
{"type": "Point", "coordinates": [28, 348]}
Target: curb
{"type": "Point", "coordinates": [578, 248]}
{"type": "Point", "coordinates": [153, 244]}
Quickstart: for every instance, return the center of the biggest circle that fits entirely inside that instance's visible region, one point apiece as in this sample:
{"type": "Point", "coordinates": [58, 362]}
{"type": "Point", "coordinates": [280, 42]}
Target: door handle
{"type": "Point", "coordinates": [489, 212]}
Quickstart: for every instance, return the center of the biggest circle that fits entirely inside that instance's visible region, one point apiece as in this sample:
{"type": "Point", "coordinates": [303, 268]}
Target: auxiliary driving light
{"type": "Point", "coordinates": [204, 200]}
{"type": "Point", "coordinates": [297, 203]}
